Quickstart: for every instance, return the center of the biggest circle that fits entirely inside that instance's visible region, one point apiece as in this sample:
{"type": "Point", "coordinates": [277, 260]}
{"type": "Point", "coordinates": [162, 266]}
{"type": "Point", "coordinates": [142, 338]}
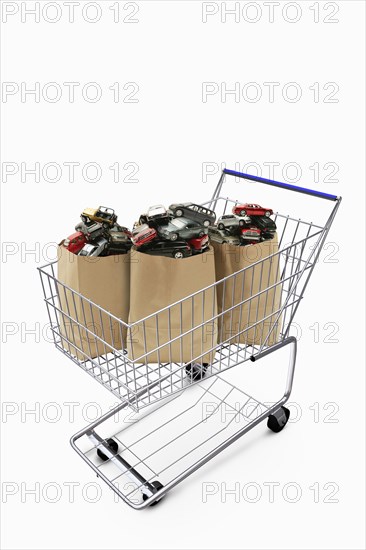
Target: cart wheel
{"type": "Point", "coordinates": [196, 371]}
{"type": "Point", "coordinates": [113, 444]}
{"type": "Point", "coordinates": [157, 485]}
{"type": "Point", "coordinates": [277, 421]}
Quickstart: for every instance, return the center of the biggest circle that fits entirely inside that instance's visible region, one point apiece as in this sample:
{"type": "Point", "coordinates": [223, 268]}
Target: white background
{"type": "Point", "coordinates": [170, 132]}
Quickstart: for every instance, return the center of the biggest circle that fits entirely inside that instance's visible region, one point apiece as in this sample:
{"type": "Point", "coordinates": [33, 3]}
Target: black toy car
{"type": "Point", "coordinates": [176, 249]}
{"type": "Point", "coordinates": [196, 212]}
{"type": "Point", "coordinates": [182, 228]}
{"type": "Point", "coordinates": [266, 225]}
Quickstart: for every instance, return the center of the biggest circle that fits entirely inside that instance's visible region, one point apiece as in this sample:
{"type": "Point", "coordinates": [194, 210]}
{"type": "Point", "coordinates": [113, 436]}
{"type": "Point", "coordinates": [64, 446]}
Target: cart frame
{"type": "Point", "coordinates": [138, 384]}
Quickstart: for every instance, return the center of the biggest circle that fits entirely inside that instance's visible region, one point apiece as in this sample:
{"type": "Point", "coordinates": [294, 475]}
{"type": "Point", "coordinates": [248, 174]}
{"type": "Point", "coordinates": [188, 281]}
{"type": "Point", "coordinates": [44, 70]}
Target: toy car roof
{"type": "Point", "coordinates": [90, 211]}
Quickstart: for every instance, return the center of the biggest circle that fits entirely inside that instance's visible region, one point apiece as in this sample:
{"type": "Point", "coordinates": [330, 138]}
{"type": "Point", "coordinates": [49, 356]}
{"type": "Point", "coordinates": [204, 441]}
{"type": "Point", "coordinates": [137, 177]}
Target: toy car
{"type": "Point", "coordinates": [115, 248]}
{"type": "Point", "coordinates": [94, 249]}
{"type": "Point", "coordinates": [183, 228]}
{"type": "Point", "coordinates": [231, 221]}
{"type": "Point", "coordinates": [198, 244]}
{"type": "Point", "coordinates": [251, 210]}
{"type": "Point", "coordinates": [119, 239]}
{"type": "Point", "coordinates": [156, 215]}
{"type": "Point", "coordinates": [75, 242]}
{"type": "Point", "coordinates": [195, 212]}
{"type": "Point", "coordinates": [176, 249]}
{"type": "Point", "coordinates": [91, 230]}
{"type": "Point", "coordinates": [252, 234]}
{"type": "Point", "coordinates": [103, 215]}
{"type": "Point", "coordinates": [267, 226]}
{"type": "Point", "coordinates": [222, 236]}
{"type": "Point", "coordinates": [119, 232]}
{"type": "Point", "coordinates": [143, 234]}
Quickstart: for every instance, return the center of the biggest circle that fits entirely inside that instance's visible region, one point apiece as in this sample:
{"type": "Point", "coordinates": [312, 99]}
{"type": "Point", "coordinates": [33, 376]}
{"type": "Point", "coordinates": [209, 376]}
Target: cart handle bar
{"type": "Point", "coordinates": [282, 185]}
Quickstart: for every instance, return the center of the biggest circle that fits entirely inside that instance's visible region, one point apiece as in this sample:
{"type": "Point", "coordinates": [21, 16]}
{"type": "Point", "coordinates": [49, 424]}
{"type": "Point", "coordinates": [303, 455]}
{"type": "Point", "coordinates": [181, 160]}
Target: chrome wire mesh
{"type": "Point", "coordinates": [179, 433]}
{"type": "Point", "coordinates": [137, 381]}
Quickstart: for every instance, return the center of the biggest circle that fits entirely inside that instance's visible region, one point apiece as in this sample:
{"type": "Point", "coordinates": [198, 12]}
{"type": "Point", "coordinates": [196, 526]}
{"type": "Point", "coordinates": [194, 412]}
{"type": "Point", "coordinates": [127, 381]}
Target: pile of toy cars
{"type": "Point", "coordinates": [248, 224]}
{"type": "Point", "coordinates": [182, 230]}
{"type": "Point", "coordinates": [99, 234]}
{"type": "Point", "coordinates": [178, 232]}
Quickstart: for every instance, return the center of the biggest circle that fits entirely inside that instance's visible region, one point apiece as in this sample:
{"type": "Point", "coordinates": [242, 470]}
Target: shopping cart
{"type": "Point", "coordinates": [174, 432]}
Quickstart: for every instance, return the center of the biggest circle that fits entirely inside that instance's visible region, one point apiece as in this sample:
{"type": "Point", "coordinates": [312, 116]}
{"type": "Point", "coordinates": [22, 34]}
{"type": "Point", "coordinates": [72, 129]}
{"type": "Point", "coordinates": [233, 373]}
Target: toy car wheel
{"type": "Point", "coordinates": [242, 223]}
{"type": "Point", "coordinates": [221, 226]}
{"type": "Point", "coordinates": [201, 234]}
{"type": "Point", "coordinates": [174, 236]}
{"type": "Point", "coordinates": [157, 485]}
{"type": "Point", "coordinates": [243, 212]}
{"type": "Point", "coordinates": [179, 213]}
{"type": "Point", "coordinates": [114, 446]}
{"type": "Point", "coordinates": [206, 223]}
{"type": "Point", "coordinates": [278, 420]}
{"type": "Point", "coordinates": [268, 213]}
{"type": "Point", "coordinates": [178, 254]}
{"type": "Point", "coordinates": [196, 371]}
{"type": "Point", "coordinates": [224, 242]}
{"type": "Point", "coordinates": [84, 219]}
{"type": "Point", "coordinates": [106, 225]}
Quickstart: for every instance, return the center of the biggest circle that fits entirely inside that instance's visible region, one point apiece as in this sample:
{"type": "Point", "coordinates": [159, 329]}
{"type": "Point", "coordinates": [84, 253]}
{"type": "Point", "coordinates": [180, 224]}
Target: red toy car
{"type": "Point", "coordinates": [251, 234]}
{"type": "Point", "coordinates": [75, 242]}
{"type": "Point", "coordinates": [143, 234]}
{"type": "Point", "coordinates": [199, 244]}
{"type": "Point", "coordinates": [251, 210]}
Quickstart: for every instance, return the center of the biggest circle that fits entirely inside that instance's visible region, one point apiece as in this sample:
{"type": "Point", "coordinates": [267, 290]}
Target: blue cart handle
{"type": "Point", "coordinates": [282, 185]}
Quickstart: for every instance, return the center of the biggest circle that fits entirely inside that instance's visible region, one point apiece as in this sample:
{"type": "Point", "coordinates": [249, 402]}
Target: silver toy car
{"type": "Point", "coordinates": [94, 249]}
{"type": "Point", "coordinates": [181, 228]}
{"type": "Point", "coordinates": [92, 230]}
{"type": "Point", "coordinates": [222, 236]}
{"type": "Point", "coordinates": [231, 221]}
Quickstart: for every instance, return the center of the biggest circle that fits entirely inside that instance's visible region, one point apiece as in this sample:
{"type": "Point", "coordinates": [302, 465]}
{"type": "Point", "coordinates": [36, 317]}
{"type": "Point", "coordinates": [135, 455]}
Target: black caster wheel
{"type": "Point", "coordinates": [196, 371]}
{"type": "Point", "coordinates": [277, 421]}
{"type": "Point", "coordinates": [114, 446]}
{"type": "Point", "coordinates": [157, 486]}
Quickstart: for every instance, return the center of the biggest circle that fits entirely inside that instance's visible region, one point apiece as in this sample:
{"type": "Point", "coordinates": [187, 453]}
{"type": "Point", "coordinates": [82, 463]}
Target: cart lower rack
{"type": "Point", "coordinates": [172, 439]}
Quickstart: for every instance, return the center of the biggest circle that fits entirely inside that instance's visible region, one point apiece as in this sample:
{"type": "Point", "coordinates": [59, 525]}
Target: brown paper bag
{"type": "Point", "coordinates": [234, 290]}
{"type": "Point", "coordinates": [106, 282]}
{"type": "Point", "coordinates": [157, 282]}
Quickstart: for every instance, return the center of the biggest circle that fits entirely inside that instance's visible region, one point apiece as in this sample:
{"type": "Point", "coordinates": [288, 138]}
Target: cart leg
{"type": "Point", "coordinates": [107, 449]}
